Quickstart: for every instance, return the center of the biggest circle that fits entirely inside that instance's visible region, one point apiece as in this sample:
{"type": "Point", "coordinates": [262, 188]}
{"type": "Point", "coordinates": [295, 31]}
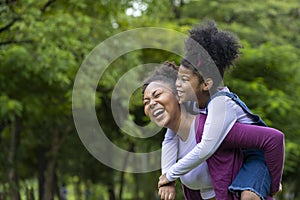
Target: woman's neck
{"type": "Point", "coordinates": [183, 128]}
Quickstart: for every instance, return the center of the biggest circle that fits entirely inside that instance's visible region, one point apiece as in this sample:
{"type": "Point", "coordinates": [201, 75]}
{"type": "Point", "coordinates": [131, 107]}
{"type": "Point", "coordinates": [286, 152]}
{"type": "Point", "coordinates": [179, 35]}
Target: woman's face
{"type": "Point", "coordinates": [188, 85]}
{"type": "Point", "coordinates": [161, 104]}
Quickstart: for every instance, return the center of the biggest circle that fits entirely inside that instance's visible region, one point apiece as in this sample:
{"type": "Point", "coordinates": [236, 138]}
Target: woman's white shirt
{"type": "Point", "coordinates": [197, 178]}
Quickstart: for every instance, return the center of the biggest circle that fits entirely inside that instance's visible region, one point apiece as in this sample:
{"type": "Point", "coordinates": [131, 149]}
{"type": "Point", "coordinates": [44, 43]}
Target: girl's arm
{"type": "Point", "coordinates": [270, 140]}
{"type": "Point", "coordinates": [218, 123]}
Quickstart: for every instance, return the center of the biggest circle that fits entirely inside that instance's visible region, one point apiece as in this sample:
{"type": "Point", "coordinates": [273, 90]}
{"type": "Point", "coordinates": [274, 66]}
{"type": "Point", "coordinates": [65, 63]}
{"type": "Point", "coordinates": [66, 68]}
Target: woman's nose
{"type": "Point", "coordinates": [152, 103]}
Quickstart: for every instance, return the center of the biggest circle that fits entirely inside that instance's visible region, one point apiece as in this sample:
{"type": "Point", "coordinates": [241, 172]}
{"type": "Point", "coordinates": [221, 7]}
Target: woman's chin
{"type": "Point", "coordinates": [162, 123]}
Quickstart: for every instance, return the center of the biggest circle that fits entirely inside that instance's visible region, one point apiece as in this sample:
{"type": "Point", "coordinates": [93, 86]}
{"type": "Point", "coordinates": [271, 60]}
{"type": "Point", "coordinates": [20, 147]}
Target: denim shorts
{"type": "Point", "coordinates": [254, 175]}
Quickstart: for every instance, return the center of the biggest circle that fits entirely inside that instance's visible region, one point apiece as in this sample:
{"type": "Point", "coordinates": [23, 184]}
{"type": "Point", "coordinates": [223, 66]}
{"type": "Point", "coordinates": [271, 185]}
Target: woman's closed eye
{"type": "Point", "coordinates": [157, 95]}
{"type": "Point", "coordinates": [146, 102]}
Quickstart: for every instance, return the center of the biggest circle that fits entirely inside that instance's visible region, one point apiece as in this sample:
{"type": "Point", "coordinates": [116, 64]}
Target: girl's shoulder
{"type": "Point", "coordinates": [225, 97]}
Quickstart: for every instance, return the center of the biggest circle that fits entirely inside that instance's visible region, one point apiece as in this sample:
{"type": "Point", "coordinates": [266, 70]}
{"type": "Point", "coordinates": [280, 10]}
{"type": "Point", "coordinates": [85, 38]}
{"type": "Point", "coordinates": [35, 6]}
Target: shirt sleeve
{"type": "Point", "coordinates": [169, 152]}
{"type": "Point", "coordinates": [220, 119]}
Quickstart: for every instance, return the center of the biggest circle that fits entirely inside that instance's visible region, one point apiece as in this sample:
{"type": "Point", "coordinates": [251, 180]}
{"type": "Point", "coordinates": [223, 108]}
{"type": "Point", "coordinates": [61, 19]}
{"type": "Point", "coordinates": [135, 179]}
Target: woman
{"type": "Point", "coordinates": [196, 183]}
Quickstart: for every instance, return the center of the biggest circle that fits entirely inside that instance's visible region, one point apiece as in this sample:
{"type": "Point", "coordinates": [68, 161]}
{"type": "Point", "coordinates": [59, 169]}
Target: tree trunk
{"type": "Point", "coordinates": [111, 193]}
{"type": "Point", "coordinates": [42, 163]}
{"type": "Point", "coordinates": [3, 194]}
{"type": "Point", "coordinates": [87, 190]}
{"type": "Point", "coordinates": [29, 193]}
{"type": "Point", "coordinates": [137, 188]}
{"type": "Point", "coordinates": [3, 125]}
{"type": "Point", "coordinates": [111, 184]}
{"type": "Point", "coordinates": [122, 179]}
{"type": "Point", "coordinates": [77, 189]}
{"type": "Point", "coordinates": [121, 185]}
{"type": "Point", "coordinates": [12, 160]}
{"type": "Point", "coordinates": [51, 167]}
{"type": "Point", "coordinates": [49, 180]}
{"type": "Point", "coordinates": [176, 8]}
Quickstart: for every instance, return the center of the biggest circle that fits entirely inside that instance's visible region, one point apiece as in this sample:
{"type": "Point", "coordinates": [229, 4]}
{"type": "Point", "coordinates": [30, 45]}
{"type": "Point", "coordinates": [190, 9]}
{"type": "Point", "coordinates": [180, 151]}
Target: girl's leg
{"type": "Point", "coordinates": [253, 180]}
{"type": "Point", "coordinates": [269, 140]}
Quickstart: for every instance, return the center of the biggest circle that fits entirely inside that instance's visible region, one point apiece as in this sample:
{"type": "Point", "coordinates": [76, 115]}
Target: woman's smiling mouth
{"type": "Point", "coordinates": [157, 112]}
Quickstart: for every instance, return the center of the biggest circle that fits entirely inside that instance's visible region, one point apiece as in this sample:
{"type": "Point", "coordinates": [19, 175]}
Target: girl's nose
{"type": "Point", "coordinates": [178, 83]}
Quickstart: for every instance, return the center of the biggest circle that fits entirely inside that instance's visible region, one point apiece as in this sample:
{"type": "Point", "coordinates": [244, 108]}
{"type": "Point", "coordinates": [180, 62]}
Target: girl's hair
{"type": "Point", "coordinates": [207, 47]}
{"type": "Point", "coordinates": [166, 72]}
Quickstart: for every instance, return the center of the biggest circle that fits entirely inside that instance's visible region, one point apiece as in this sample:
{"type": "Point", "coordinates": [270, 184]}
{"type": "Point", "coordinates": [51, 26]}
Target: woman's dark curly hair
{"type": "Point", "coordinates": [166, 72]}
{"type": "Point", "coordinates": [207, 46]}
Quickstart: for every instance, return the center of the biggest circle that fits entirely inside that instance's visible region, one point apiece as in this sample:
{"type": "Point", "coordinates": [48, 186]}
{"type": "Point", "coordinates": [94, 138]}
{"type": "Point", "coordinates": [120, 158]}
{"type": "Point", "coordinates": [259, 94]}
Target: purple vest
{"type": "Point", "coordinates": [223, 165]}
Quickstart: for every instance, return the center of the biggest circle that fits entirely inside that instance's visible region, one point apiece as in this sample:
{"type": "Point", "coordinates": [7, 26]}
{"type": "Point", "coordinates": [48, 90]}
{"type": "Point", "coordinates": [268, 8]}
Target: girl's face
{"type": "Point", "coordinates": [161, 104]}
{"type": "Point", "coordinates": [188, 85]}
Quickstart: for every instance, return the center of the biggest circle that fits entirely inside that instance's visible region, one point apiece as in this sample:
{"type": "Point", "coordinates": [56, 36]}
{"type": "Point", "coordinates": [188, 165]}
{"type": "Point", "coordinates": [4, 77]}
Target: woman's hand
{"type": "Point", "coordinates": [163, 180]}
{"type": "Point", "coordinates": [167, 192]}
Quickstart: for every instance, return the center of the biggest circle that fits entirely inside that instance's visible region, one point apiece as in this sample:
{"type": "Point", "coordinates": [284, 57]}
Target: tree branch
{"type": "Point", "coordinates": [10, 2]}
{"type": "Point", "coordinates": [49, 2]}
{"type": "Point", "coordinates": [16, 42]}
{"type": "Point", "coordinates": [6, 27]}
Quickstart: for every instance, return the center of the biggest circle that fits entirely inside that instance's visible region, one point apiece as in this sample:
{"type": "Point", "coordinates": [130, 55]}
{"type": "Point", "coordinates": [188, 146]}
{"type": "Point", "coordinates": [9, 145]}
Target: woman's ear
{"type": "Point", "coordinates": [208, 83]}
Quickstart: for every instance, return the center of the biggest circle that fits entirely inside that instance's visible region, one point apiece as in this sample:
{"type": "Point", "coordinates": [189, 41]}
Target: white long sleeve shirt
{"type": "Point", "coordinates": [197, 178]}
{"type": "Point", "coordinates": [221, 116]}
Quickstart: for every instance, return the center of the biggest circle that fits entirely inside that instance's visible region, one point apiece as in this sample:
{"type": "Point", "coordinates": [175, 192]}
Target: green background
{"type": "Point", "coordinates": [43, 44]}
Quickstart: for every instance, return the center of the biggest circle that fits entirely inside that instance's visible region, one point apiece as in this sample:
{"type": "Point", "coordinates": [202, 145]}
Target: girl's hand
{"type": "Point", "coordinates": [163, 180]}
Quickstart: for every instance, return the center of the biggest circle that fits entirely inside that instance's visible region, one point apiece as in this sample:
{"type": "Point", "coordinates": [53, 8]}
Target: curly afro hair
{"type": "Point", "coordinates": [166, 72]}
{"type": "Point", "coordinates": [205, 41]}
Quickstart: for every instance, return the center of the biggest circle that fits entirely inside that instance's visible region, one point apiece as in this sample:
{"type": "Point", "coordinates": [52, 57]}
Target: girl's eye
{"type": "Point", "coordinates": [183, 79]}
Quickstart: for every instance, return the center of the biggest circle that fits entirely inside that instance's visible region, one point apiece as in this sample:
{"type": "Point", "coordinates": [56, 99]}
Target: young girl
{"type": "Point", "coordinates": [200, 84]}
{"type": "Point", "coordinates": [161, 105]}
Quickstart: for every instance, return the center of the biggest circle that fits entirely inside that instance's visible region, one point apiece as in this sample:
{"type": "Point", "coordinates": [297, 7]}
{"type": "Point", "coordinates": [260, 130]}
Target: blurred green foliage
{"type": "Point", "coordinates": [43, 44]}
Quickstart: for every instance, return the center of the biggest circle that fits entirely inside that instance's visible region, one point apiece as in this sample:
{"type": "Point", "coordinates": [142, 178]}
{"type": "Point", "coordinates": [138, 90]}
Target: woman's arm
{"type": "Point", "coordinates": [169, 152]}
